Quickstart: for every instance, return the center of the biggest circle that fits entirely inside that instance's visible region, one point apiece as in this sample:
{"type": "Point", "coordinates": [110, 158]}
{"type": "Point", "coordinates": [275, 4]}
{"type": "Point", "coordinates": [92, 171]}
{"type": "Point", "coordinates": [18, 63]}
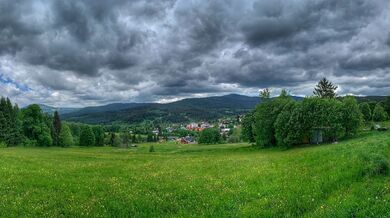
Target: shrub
{"type": "Point", "coordinates": [209, 136]}
{"type": "Point", "coordinates": [379, 113]}
{"type": "Point", "coordinates": [366, 111]}
{"type": "Point", "coordinates": [352, 117]}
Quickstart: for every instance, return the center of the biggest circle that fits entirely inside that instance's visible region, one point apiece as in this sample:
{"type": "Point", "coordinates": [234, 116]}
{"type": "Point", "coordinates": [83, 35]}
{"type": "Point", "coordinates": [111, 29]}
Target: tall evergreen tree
{"type": "Point", "coordinates": [265, 94]}
{"type": "Point", "coordinates": [325, 89]}
{"type": "Point", "coordinates": [56, 129]}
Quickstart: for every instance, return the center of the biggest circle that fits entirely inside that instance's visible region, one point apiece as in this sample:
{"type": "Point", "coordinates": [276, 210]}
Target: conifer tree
{"type": "Point", "coordinates": [325, 89]}
{"type": "Point", "coordinates": [56, 129]}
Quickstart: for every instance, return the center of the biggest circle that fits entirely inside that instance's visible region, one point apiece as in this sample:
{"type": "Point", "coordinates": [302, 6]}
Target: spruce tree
{"type": "Point", "coordinates": [325, 89]}
{"type": "Point", "coordinates": [56, 129]}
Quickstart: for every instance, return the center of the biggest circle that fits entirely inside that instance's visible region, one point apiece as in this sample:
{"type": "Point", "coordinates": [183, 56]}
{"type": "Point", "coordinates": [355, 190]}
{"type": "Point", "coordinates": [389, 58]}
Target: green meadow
{"type": "Point", "coordinates": [348, 179]}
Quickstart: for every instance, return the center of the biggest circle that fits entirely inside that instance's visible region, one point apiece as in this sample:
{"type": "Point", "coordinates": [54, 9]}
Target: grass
{"type": "Point", "coordinates": [231, 180]}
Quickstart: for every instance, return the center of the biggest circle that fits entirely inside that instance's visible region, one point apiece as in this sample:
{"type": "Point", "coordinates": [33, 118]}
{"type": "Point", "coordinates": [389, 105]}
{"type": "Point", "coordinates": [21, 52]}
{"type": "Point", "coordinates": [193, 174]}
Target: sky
{"type": "Point", "coordinates": [91, 52]}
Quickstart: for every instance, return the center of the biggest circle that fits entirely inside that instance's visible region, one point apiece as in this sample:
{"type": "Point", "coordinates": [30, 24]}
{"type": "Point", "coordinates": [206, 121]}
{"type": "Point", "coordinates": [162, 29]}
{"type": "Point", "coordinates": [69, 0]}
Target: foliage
{"type": "Point", "coordinates": [298, 120]}
{"type": "Point", "coordinates": [35, 126]}
{"type": "Point", "coordinates": [56, 129]}
{"type": "Point", "coordinates": [379, 113]}
{"type": "Point", "coordinates": [265, 116]}
{"type": "Point", "coordinates": [265, 94]}
{"type": "Point", "coordinates": [282, 125]}
{"type": "Point", "coordinates": [209, 136]}
{"type": "Point", "coordinates": [10, 125]}
{"type": "Point", "coordinates": [151, 148]}
{"type": "Point", "coordinates": [248, 122]}
{"type": "Point", "coordinates": [325, 89]}
{"type": "Point", "coordinates": [87, 138]}
{"type": "Point", "coordinates": [352, 117]}
{"type": "Point", "coordinates": [65, 137]}
{"type": "Point", "coordinates": [366, 111]}
{"type": "Point", "coordinates": [98, 132]}
{"type": "Point", "coordinates": [387, 105]}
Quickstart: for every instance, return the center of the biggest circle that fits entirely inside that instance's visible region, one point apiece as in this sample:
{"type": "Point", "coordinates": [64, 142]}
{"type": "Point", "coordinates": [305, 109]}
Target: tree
{"type": "Point", "coordinates": [265, 94]}
{"type": "Point", "coordinates": [56, 129]}
{"type": "Point", "coordinates": [65, 137]}
{"type": "Point", "coordinates": [98, 132]}
{"type": "Point", "coordinates": [325, 89]}
{"type": "Point", "coordinates": [209, 136]}
{"type": "Point", "coordinates": [366, 111]}
{"type": "Point", "coordinates": [112, 139]}
{"type": "Point", "coordinates": [35, 126]}
{"type": "Point", "coordinates": [87, 138]}
{"type": "Point", "coordinates": [282, 125]}
{"type": "Point", "coordinates": [379, 113]}
{"type": "Point", "coordinates": [10, 125]}
{"type": "Point", "coordinates": [352, 116]}
{"type": "Point", "coordinates": [248, 122]}
{"type": "Point", "coordinates": [387, 105]}
{"type": "Point", "coordinates": [265, 116]}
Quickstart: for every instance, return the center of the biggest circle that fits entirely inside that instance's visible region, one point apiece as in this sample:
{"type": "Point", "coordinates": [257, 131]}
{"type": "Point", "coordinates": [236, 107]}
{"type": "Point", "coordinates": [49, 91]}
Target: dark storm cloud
{"type": "Point", "coordinates": [124, 49]}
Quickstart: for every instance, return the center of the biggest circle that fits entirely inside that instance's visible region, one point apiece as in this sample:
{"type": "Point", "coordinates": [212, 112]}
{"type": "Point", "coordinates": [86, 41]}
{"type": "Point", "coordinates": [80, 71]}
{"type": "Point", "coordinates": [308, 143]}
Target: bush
{"type": "Point", "coordinates": [379, 113]}
{"type": "Point", "coordinates": [366, 111]}
{"type": "Point", "coordinates": [352, 118]}
{"type": "Point", "coordinates": [209, 136]}
{"type": "Point", "coordinates": [375, 165]}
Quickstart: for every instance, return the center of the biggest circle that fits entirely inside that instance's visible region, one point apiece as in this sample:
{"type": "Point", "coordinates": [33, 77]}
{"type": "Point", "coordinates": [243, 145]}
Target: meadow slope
{"type": "Point", "coordinates": [234, 180]}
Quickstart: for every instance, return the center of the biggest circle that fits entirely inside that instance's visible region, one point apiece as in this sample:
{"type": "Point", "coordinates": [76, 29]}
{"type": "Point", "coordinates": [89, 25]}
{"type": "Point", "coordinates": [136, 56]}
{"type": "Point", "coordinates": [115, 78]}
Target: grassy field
{"type": "Point", "coordinates": [347, 179]}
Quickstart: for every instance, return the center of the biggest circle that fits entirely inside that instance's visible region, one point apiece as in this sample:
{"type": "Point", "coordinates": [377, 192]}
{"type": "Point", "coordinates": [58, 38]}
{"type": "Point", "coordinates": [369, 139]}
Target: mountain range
{"type": "Point", "coordinates": [186, 110]}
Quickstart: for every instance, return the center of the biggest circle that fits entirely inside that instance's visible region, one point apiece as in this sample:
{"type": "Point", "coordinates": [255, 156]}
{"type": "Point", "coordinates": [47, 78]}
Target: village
{"type": "Point", "coordinates": [188, 133]}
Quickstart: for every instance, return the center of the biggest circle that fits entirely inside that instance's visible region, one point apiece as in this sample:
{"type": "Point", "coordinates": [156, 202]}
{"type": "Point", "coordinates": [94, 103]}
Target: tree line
{"type": "Point", "coordinates": [284, 122]}
{"type": "Point", "coordinates": [30, 126]}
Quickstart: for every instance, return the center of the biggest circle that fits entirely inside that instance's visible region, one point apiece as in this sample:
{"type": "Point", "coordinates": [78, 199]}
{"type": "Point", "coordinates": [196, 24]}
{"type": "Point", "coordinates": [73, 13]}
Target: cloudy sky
{"type": "Point", "coordinates": [92, 52]}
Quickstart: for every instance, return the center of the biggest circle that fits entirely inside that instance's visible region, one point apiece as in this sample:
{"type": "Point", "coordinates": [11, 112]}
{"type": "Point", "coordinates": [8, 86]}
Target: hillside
{"type": "Point", "coordinates": [348, 179]}
{"type": "Point", "coordinates": [210, 108]}
{"type": "Point", "coordinates": [186, 110]}
{"type": "Point", "coordinates": [61, 110]}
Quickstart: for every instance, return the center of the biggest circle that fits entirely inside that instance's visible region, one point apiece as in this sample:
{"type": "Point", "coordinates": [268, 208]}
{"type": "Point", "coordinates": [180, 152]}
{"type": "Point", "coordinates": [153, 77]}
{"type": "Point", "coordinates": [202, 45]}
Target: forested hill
{"type": "Point", "coordinates": [191, 109]}
{"type": "Point", "coordinates": [209, 108]}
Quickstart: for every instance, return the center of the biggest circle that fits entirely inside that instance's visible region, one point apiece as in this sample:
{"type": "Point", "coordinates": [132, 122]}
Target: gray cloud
{"type": "Point", "coordinates": [92, 52]}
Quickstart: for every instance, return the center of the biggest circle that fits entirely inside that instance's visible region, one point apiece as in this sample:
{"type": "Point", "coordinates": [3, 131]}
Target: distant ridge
{"type": "Point", "coordinates": [190, 109]}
